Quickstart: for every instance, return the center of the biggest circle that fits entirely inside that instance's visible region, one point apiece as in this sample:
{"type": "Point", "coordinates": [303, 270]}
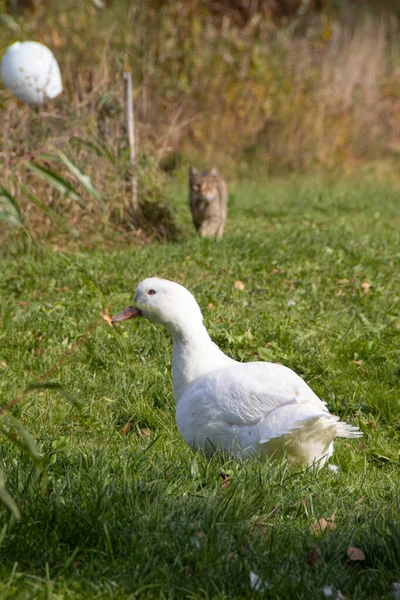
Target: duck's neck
{"type": "Point", "coordinates": [193, 354]}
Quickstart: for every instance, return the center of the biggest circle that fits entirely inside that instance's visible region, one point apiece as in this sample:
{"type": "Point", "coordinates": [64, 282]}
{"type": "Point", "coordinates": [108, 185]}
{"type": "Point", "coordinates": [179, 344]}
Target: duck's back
{"type": "Point", "coordinates": [226, 407]}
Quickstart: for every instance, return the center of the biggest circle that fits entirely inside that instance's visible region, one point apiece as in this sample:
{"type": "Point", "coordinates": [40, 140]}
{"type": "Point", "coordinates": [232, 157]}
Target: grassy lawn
{"type": "Point", "coordinates": [124, 508]}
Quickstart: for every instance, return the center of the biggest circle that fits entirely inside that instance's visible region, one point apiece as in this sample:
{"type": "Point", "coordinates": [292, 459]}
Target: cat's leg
{"type": "Point", "coordinates": [209, 228]}
{"type": "Point", "coordinates": [222, 219]}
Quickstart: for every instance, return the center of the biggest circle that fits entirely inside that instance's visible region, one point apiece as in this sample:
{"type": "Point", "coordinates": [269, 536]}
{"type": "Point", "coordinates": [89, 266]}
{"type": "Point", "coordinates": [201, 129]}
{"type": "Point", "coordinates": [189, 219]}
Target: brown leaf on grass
{"type": "Point", "coordinates": [106, 317]}
{"type": "Point", "coordinates": [355, 553]}
{"type": "Point", "coordinates": [290, 283]}
{"type": "Point", "coordinates": [366, 287]}
{"type": "Point", "coordinates": [127, 427]}
{"type": "Point", "coordinates": [211, 306]}
{"type": "Point", "coordinates": [239, 285]}
{"type": "Point", "coordinates": [339, 293]}
{"type": "Point", "coordinates": [145, 432]}
{"type": "Point", "coordinates": [313, 557]}
{"type": "Point", "coordinates": [322, 524]}
{"type": "Point", "coordinates": [359, 364]}
{"type": "Point", "coordinates": [3, 364]}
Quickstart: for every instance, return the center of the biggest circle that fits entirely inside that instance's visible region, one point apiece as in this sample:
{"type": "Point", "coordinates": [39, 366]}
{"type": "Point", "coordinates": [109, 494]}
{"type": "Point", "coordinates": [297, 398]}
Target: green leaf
{"type": "Point", "coordinates": [46, 209]}
{"type": "Point", "coordinates": [82, 178]}
{"type": "Point", "coordinates": [266, 354]}
{"type": "Point", "coordinates": [9, 22]}
{"type": "Point", "coordinates": [9, 208]}
{"type": "Point", "coordinates": [57, 183]}
{"type": "Point", "coordinates": [7, 499]}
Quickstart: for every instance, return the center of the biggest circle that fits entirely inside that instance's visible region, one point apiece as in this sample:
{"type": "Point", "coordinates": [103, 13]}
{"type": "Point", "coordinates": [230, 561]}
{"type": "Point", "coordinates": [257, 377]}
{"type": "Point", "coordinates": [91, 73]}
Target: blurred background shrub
{"type": "Point", "coordinates": [288, 85]}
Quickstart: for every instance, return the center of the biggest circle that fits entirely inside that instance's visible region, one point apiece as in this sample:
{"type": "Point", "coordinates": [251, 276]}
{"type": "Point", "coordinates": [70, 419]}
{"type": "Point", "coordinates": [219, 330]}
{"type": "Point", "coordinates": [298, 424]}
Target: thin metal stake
{"type": "Point", "coordinates": [130, 127]}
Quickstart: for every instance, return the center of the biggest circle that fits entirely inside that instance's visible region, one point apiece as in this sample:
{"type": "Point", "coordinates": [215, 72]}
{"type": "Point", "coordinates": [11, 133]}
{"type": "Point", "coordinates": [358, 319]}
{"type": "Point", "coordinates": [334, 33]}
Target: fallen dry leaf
{"type": "Point", "coordinates": [4, 364]}
{"type": "Point", "coordinates": [145, 432]}
{"type": "Point", "coordinates": [322, 524]}
{"type": "Point", "coordinates": [106, 317]}
{"type": "Point", "coordinates": [359, 364]}
{"type": "Point", "coordinates": [339, 293]}
{"type": "Point", "coordinates": [239, 285]}
{"type": "Point", "coordinates": [290, 283]}
{"type": "Point", "coordinates": [127, 428]}
{"type": "Point", "coordinates": [313, 557]}
{"type": "Point", "coordinates": [211, 306]}
{"type": "Point", "coordinates": [366, 286]}
{"type": "Point", "coordinates": [355, 553]}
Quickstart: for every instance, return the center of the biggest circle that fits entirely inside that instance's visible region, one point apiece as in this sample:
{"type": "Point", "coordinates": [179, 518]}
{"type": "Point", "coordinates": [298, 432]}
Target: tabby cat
{"type": "Point", "coordinates": [208, 198]}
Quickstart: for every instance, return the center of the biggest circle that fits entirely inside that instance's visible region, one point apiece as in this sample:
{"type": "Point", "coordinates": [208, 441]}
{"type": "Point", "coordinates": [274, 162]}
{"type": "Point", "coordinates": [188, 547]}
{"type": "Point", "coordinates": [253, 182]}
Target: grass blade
{"type": "Point", "coordinates": [98, 147]}
{"type": "Point", "coordinates": [7, 499]}
{"type": "Point", "coordinates": [56, 182]}
{"type": "Point", "coordinates": [54, 385]}
{"type": "Point", "coordinates": [29, 441]}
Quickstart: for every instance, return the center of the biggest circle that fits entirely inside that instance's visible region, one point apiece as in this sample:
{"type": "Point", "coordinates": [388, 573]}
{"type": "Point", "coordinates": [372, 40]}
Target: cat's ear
{"type": "Point", "coordinates": [214, 171]}
{"type": "Point", "coordinates": [193, 172]}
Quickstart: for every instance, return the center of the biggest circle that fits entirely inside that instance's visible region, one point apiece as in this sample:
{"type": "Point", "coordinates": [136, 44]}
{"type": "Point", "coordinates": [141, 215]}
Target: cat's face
{"type": "Point", "coordinates": [203, 183]}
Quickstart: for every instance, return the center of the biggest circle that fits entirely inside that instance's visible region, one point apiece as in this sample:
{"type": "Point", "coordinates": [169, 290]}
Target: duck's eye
{"type": "Point", "coordinates": [151, 292]}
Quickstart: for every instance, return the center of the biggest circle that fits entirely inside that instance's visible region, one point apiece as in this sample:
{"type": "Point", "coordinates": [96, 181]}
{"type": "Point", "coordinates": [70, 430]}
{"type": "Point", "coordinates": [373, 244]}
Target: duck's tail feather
{"type": "Point", "coordinates": [345, 430]}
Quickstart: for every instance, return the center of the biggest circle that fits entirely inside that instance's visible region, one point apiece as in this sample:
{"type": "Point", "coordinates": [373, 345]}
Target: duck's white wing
{"type": "Point", "coordinates": [258, 407]}
{"type": "Point", "coordinates": [244, 393]}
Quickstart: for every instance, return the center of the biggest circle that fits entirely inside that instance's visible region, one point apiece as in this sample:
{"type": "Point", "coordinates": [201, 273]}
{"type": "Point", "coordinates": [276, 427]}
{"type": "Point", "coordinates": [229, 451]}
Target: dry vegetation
{"type": "Point", "coordinates": [287, 84]}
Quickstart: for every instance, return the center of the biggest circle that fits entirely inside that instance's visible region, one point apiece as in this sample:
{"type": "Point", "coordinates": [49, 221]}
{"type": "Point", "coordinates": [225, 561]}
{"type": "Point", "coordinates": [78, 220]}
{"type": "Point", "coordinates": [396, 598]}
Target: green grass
{"type": "Point", "coordinates": [128, 510]}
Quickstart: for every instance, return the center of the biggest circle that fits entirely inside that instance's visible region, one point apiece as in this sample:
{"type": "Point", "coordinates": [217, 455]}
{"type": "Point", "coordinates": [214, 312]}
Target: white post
{"type": "Point", "coordinates": [130, 127]}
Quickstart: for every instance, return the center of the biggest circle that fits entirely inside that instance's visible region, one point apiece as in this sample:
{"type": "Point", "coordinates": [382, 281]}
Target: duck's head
{"type": "Point", "coordinates": [164, 302]}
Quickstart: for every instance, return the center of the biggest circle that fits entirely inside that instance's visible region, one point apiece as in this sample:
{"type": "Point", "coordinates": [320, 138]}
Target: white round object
{"type": "Point", "coordinates": [31, 72]}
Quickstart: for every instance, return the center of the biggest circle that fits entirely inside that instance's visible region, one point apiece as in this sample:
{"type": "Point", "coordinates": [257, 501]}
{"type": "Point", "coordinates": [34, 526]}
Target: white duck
{"type": "Point", "coordinates": [243, 408]}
